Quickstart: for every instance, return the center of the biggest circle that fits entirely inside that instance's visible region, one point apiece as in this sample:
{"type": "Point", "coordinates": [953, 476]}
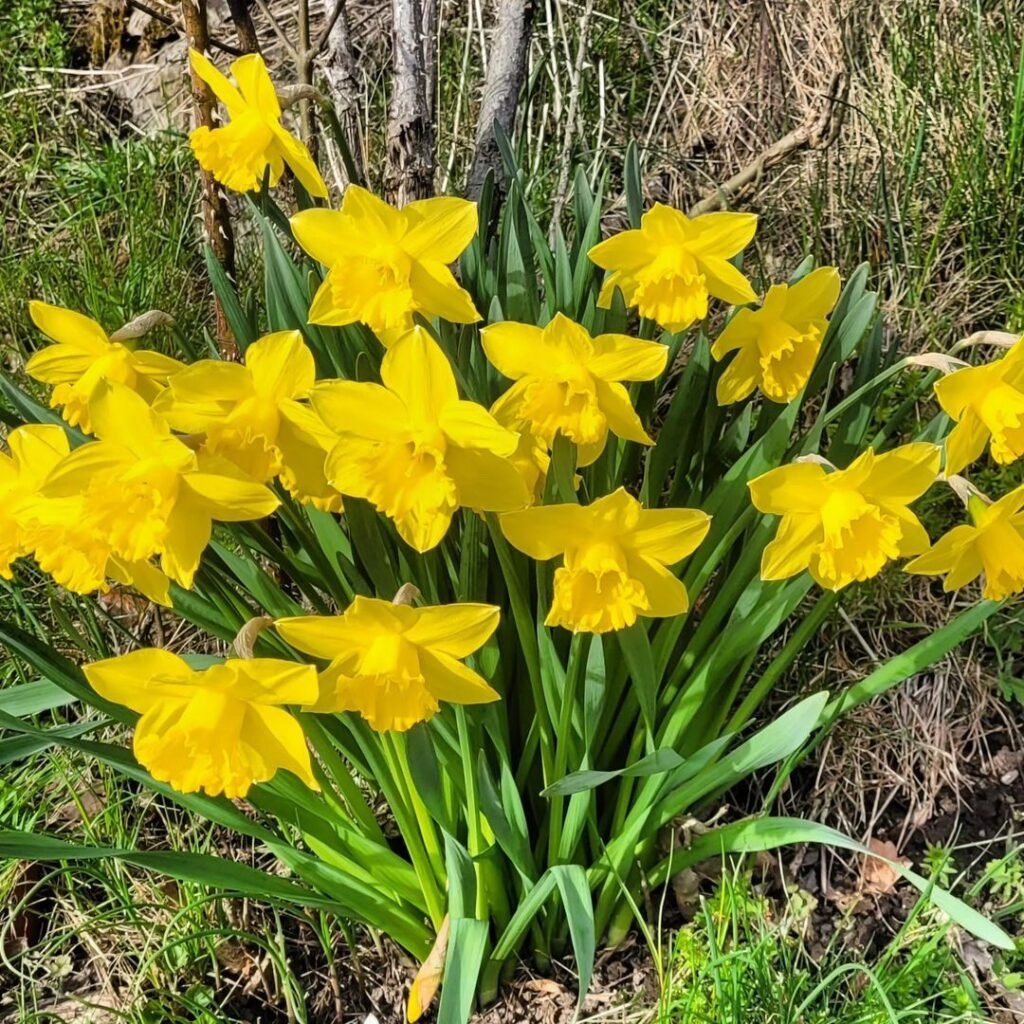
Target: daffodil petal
{"type": "Point", "coordinates": [739, 332]}
{"type": "Point", "coordinates": [739, 378]}
{"type": "Point", "coordinates": [725, 282]}
{"type": "Point", "coordinates": [68, 327]}
{"type": "Point", "coordinates": [450, 680]}
{"type": "Point", "coordinates": [222, 88]}
{"type": "Point", "coordinates": [274, 681]}
{"type": "Point", "coordinates": [666, 595]}
{"type": "Point", "coordinates": [943, 554]}
{"type": "Point", "coordinates": [298, 158]}
{"type": "Point", "coordinates": [419, 373]}
{"type": "Point", "coordinates": [325, 234]}
{"type": "Point", "coordinates": [722, 234]}
{"type": "Point", "coordinates": [791, 550]}
{"type": "Point", "coordinates": [469, 425]}
{"type": "Point", "coordinates": [437, 293]}
{"type": "Point", "coordinates": [512, 348]}
{"type": "Point", "coordinates": [618, 357]}
{"type": "Point", "coordinates": [439, 228]}
{"type": "Point", "coordinates": [58, 364]}
{"type": "Point", "coordinates": [793, 488]}
{"type": "Point", "coordinates": [486, 481]}
{"type": "Point", "coordinates": [188, 532]}
{"type": "Point", "coordinates": [146, 578]}
{"type": "Point", "coordinates": [545, 531]}
{"type": "Point", "coordinates": [363, 409]}
{"type": "Point", "coordinates": [281, 365]}
{"type": "Point", "coordinates": [139, 679]}
{"type": "Point", "coordinates": [626, 249]}
{"type": "Point", "coordinates": [250, 72]}
{"type": "Point", "coordinates": [455, 630]}
{"type": "Point", "coordinates": [623, 421]}
{"type": "Point", "coordinates": [670, 534]}
{"type": "Point", "coordinates": [902, 475]}
{"type": "Point", "coordinates": [229, 499]}
{"type": "Point", "coordinates": [277, 738]}
{"type": "Point", "coordinates": [814, 296]}
{"type": "Point", "coordinates": [965, 443]}
{"type": "Point", "coordinates": [323, 636]}
{"type": "Point", "coordinates": [376, 215]}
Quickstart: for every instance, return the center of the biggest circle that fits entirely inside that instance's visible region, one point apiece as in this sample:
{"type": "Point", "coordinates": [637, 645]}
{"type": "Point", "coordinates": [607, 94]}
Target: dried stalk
{"type": "Point", "coordinates": [410, 159]}
{"type": "Point", "coordinates": [506, 72]}
{"type": "Point", "coordinates": [216, 216]}
{"type": "Point", "coordinates": [244, 27]}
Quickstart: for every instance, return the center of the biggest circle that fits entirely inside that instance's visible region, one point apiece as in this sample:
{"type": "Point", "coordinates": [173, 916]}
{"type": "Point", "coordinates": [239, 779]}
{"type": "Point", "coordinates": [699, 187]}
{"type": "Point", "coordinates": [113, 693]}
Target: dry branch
{"type": "Point", "coordinates": [410, 163]}
{"type": "Point", "coordinates": [506, 72]}
{"type": "Point", "coordinates": [244, 27]}
{"type": "Point", "coordinates": [816, 134]}
{"type": "Point", "coordinates": [215, 205]}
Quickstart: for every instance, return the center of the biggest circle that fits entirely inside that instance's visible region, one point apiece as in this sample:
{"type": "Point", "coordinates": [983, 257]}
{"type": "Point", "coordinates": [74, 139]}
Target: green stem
{"type": "Point", "coordinates": [474, 833]}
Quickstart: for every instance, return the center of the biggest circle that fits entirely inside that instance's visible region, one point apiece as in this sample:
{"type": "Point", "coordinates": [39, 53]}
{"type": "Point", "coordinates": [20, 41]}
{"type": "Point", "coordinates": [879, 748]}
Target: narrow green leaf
{"type": "Point", "coordinates": [467, 942]}
{"type": "Point", "coordinates": [636, 649]}
{"type": "Point", "coordinates": [574, 888]}
{"type": "Point", "coordinates": [656, 763]}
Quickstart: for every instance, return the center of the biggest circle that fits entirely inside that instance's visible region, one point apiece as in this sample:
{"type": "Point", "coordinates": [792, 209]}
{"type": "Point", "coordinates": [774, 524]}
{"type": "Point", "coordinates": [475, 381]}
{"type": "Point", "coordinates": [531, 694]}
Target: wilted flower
{"type": "Point", "coordinates": [135, 493]}
{"type": "Point", "coordinates": [237, 408]}
{"type": "Point", "coordinates": [218, 729]}
{"type": "Point", "coordinates": [987, 404]}
{"type": "Point", "coordinates": [992, 545]}
{"type": "Point", "coordinates": [669, 266]}
{"type": "Point", "coordinates": [239, 152]}
{"type": "Point", "coordinates": [84, 358]}
{"type": "Point", "coordinates": [413, 448]}
{"type": "Point", "coordinates": [386, 264]}
{"type": "Point", "coordinates": [615, 557]}
{"type": "Point", "coordinates": [845, 525]}
{"type": "Point", "coordinates": [777, 345]}
{"type": "Point", "coordinates": [392, 663]}
{"type": "Point", "coordinates": [568, 382]}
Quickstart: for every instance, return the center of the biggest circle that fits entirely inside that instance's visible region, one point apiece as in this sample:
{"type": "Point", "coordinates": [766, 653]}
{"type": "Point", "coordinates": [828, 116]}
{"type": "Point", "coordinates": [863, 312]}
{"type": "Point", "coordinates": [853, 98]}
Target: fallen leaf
{"type": "Point", "coordinates": [428, 977]}
{"type": "Point", "coordinates": [545, 986]}
{"type": "Point", "coordinates": [878, 873]}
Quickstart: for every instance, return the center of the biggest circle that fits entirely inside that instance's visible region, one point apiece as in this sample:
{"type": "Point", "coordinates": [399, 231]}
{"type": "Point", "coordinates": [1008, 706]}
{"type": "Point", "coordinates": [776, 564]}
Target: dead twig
{"type": "Point", "coordinates": [817, 134]}
{"type": "Point", "coordinates": [171, 22]}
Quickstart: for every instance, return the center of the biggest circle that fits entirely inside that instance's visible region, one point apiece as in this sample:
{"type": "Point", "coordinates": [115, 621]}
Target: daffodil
{"type": "Point", "coordinates": [136, 493]}
{"type": "Point", "coordinates": [987, 405]}
{"type": "Point", "coordinates": [671, 264]}
{"type": "Point", "coordinates": [413, 448]}
{"type": "Point", "coordinates": [84, 358]}
{"type": "Point", "coordinates": [533, 454]}
{"type": "Point", "coordinates": [845, 525]}
{"type": "Point", "coordinates": [305, 441]}
{"type": "Point", "coordinates": [991, 545]}
{"type": "Point", "coordinates": [34, 450]}
{"type": "Point", "coordinates": [239, 152]}
{"type": "Point", "coordinates": [384, 265]}
{"type": "Point", "coordinates": [237, 408]}
{"type": "Point", "coordinates": [219, 729]}
{"type": "Point", "coordinates": [615, 558]}
{"type": "Point", "coordinates": [394, 664]}
{"type": "Point", "coordinates": [570, 383]}
{"type": "Point", "coordinates": [777, 345]}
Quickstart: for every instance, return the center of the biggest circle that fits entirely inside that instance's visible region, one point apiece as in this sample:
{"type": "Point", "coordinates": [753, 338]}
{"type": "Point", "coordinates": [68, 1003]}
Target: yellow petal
{"type": "Point", "coordinates": [469, 425]}
{"type": "Point", "coordinates": [967, 567]}
{"type": "Point", "coordinates": [450, 680]}
{"type": "Point", "coordinates": [218, 82]}
{"type": "Point", "coordinates": [155, 365]}
{"type": "Point", "coordinates": [323, 636]}
{"type": "Point", "coordinates": [725, 282]}
{"type": "Point", "coordinates": [439, 229]}
{"type": "Point", "coordinates": [455, 629]}
{"type": "Point", "coordinates": [383, 222]}
{"type": "Point", "coordinates": [122, 417]}
{"type": "Point", "coordinates": [618, 357]}
{"type": "Point", "coordinates": [364, 409]}
{"type": "Point", "coordinates": [325, 234]}
{"type": "Point", "coordinates": [486, 481]}
{"type": "Point", "coordinates": [71, 476]}
{"type": "Point", "coordinates": [419, 373]}
{"type": "Point", "coordinates": [794, 488]}
{"type": "Point", "coordinates": [903, 474]}
{"type": "Point", "coordinates": [722, 234]}
{"type": "Point", "coordinates": [965, 388]}
{"type": "Point", "coordinates": [545, 531]}
{"type": "Point", "coordinates": [69, 328]}
{"type": "Point", "coordinates": [255, 85]}
{"type": "Point", "coordinates": [740, 377]}
{"type": "Point", "coordinates": [944, 553]}
{"type": "Point", "coordinates": [37, 448]}
{"type": "Point", "coordinates": [1008, 505]}
{"type": "Point", "coordinates": [437, 293]}
{"type": "Point", "coordinates": [298, 158]}
{"type": "Point", "coordinates": [739, 332]}
{"type": "Point", "coordinates": [965, 443]}
{"type": "Point", "coordinates": [791, 550]}
{"type": "Point", "coordinates": [304, 441]}
{"type": "Point", "coordinates": [514, 349]}
{"type": "Point", "coordinates": [666, 595]}
{"type": "Point", "coordinates": [626, 249]}
{"type": "Point", "coordinates": [278, 740]}
{"type": "Point", "coordinates": [188, 533]}
{"type": "Point", "coordinates": [138, 679]}
{"type": "Point", "coordinates": [669, 534]}
{"type": "Point", "coordinates": [281, 365]}
{"type": "Point", "coordinates": [613, 400]}
{"type": "Point", "coordinates": [147, 579]}
{"type": "Point", "coordinates": [273, 681]}
{"type": "Point", "coordinates": [58, 364]}
{"type": "Point", "coordinates": [914, 537]}
{"type": "Point", "coordinates": [813, 296]}
{"type": "Point", "coordinates": [230, 499]}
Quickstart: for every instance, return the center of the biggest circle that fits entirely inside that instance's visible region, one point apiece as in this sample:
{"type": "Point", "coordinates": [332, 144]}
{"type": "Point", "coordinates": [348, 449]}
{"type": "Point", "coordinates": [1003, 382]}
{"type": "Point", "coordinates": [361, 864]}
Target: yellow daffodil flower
{"type": "Point", "coordinates": [777, 345]}
{"type": "Point", "coordinates": [136, 493]}
{"type": "Point", "coordinates": [669, 266]}
{"type": "Point", "coordinates": [237, 408]}
{"type": "Point", "coordinates": [570, 383]}
{"type": "Point", "coordinates": [615, 558]}
{"type": "Point", "coordinates": [305, 441]}
{"type": "Point", "coordinates": [34, 450]}
{"type": "Point", "coordinates": [84, 357]}
{"type": "Point", "coordinates": [987, 405]}
{"type": "Point", "coordinates": [532, 455]}
{"type": "Point", "coordinates": [845, 525]}
{"type": "Point", "coordinates": [384, 264]}
{"type": "Point", "coordinates": [992, 545]}
{"type": "Point", "coordinates": [413, 448]}
{"type": "Point", "coordinates": [394, 664]}
{"type": "Point", "coordinates": [219, 729]}
{"type": "Point", "coordinates": [239, 152]}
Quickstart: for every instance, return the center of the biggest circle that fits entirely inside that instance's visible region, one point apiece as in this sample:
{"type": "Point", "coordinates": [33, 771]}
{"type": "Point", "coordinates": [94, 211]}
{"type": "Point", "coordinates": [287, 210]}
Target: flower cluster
{"type": "Point", "coordinates": [171, 448]}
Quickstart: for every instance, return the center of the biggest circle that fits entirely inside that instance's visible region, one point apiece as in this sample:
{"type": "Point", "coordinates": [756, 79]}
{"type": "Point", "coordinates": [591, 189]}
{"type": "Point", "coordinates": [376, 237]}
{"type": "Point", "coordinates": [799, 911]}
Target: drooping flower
{"type": "Point", "coordinates": [991, 546]}
{"type": "Point", "coordinates": [84, 357]}
{"type": "Point", "coordinates": [413, 448]}
{"type": "Point", "coordinates": [136, 493]}
{"type": "Point", "coordinates": [777, 345]}
{"type": "Point", "coordinates": [34, 450]}
{"type": "Point", "coordinates": [987, 405]}
{"type": "Point", "coordinates": [394, 664]}
{"type": "Point", "coordinates": [384, 265]}
{"type": "Point", "coordinates": [570, 383]}
{"type": "Point", "coordinates": [669, 266]}
{"type": "Point", "coordinates": [237, 408]}
{"type": "Point", "coordinates": [845, 525]}
{"type": "Point", "coordinates": [616, 555]}
{"type": "Point", "coordinates": [239, 152]}
{"type": "Point", "coordinates": [219, 729]}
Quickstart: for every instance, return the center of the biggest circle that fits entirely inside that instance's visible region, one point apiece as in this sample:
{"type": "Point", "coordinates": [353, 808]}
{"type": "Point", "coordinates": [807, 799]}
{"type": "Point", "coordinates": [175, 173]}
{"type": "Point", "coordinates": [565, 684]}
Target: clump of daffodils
{"type": "Point", "coordinates": [480, 558]}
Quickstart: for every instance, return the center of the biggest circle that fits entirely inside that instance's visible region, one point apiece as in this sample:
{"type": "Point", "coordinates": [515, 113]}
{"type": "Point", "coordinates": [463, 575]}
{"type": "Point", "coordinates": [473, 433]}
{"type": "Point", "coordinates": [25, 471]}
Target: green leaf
{"type": "Point", "coordinates": [33, 698]}
{"type": "Point", "coordinates": [634, 185]}
{"type": "Point", "coordinates": [467, 942]}
{"type": "Point", "coordinates": [461, 878]}
{"type": "Point", "coordinates": [529, 907]}
{"type": "Point", "coordinates": [636, 649]}
{"type": "Point", "coordinates": [656, 763]}
{"type": "Point", "coordinates": [510, 834]}
{"type": "Point", "coordinates": [574, 888]}
{"type": "Point", "coordinates": [242, 328]}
